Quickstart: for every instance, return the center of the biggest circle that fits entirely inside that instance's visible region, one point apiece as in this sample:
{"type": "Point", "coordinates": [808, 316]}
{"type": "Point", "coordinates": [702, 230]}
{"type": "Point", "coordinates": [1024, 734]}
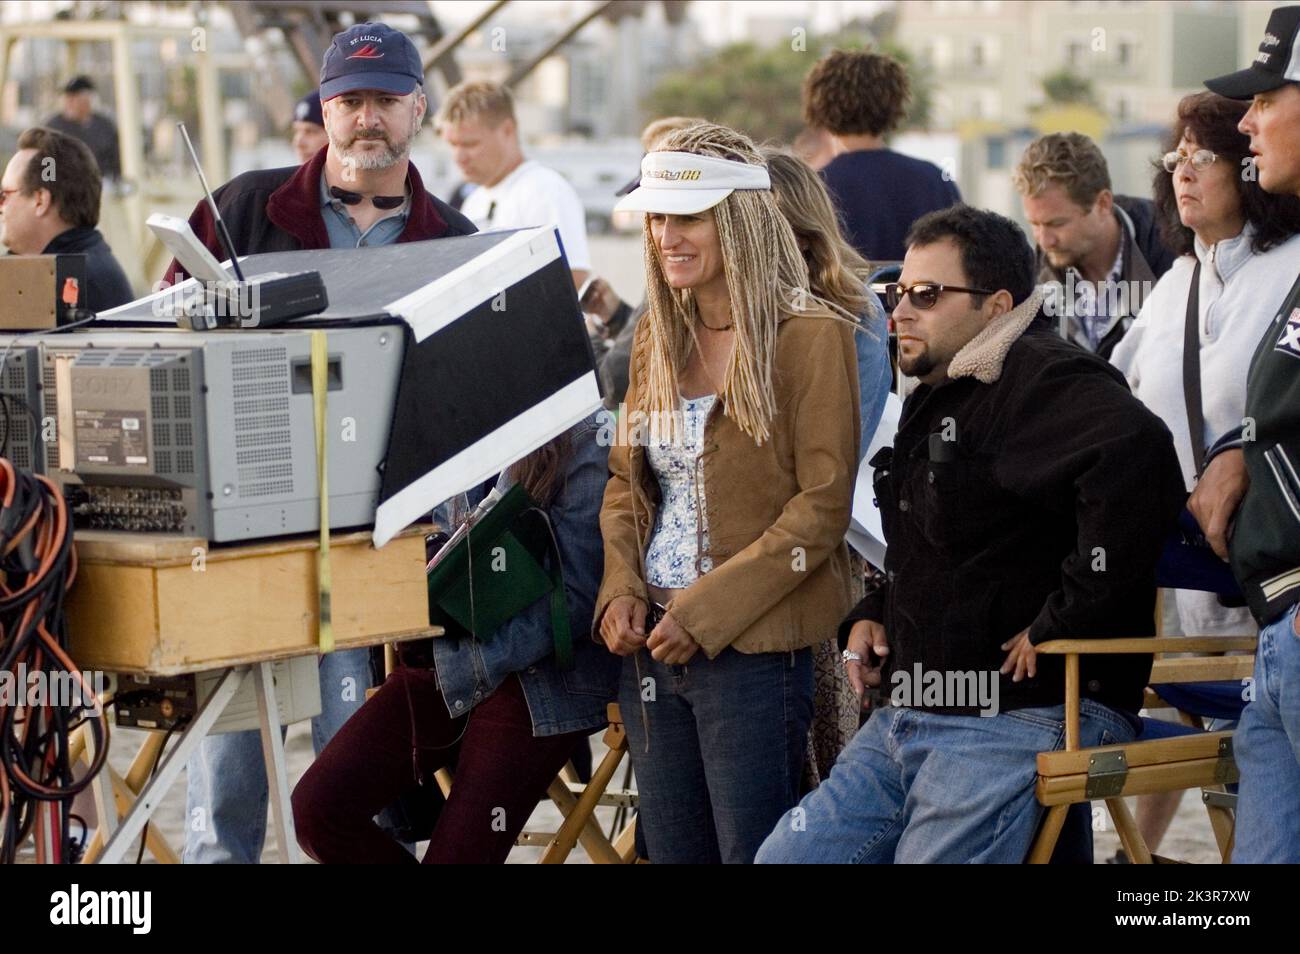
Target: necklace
{"type": "Point", "coordinates": [727, 327]}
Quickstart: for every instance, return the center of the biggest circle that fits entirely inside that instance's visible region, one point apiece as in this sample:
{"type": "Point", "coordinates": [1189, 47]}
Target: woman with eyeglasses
{"type": "Point", "coordinates": [1239, 253]}
{"type": "Point", "coordinates": [725, 514]}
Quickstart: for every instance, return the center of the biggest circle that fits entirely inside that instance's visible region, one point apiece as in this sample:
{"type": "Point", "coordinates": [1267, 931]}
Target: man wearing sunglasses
{"type": "Point", "coordinates": [1026, 498]}
{"type": "Point", "coordinates": [362, 189]}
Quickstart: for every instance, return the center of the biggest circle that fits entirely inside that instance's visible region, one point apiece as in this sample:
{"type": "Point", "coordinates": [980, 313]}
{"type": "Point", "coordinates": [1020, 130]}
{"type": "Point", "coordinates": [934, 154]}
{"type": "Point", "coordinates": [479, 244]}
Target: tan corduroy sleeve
{"type": "Point", "coordinates": [618, 528]}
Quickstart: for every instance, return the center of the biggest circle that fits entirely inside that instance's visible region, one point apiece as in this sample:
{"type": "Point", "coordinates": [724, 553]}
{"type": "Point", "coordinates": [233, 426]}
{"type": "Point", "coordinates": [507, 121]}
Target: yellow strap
{"type": "Point", "coordinates": [319, 396]}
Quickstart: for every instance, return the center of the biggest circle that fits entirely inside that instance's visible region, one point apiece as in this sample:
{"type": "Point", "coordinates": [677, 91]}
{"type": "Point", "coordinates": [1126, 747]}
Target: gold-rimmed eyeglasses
{"type": "Point", "coordinates": [1201, 160]}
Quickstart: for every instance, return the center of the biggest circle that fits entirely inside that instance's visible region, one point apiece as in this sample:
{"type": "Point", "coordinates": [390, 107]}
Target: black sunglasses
{"type": "Point", "coordinates": [378, 201]}
{"type": "Point", "coordinates": [925, 295]}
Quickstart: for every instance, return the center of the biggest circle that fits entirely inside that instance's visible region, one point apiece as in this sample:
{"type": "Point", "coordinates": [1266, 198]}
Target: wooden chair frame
{"type": "Point", "coordinates": [578, 803]}
{"type": "Point", "coordinates": [1110, 773]}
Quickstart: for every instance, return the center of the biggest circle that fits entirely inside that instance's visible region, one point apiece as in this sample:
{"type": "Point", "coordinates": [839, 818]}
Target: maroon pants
{"type": "Point", "coordinates": [502, 771]}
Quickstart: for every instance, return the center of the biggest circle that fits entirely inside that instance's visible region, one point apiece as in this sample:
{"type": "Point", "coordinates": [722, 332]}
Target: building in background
{"type": "Point", "coordinates": [989, 60]}
{"type": "Point", "coordinates": [592, 86]}
{"type": "Point", "coordinates": [990, 57]}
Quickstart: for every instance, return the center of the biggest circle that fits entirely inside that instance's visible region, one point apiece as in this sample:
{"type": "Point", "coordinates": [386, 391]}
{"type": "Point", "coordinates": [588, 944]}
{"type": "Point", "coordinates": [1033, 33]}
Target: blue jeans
{"type": "Point", "coordinates": [226, 792]}
{"type": "Point", "coordinates": [726, 744]}
{"type": "Point", "coordinates": [923, 787]}
{"type": "Point", "coordinates": [1267, 749]}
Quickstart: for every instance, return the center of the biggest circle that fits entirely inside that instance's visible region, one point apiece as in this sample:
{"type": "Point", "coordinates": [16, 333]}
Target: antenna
{"type": "Point", "coordinates": [222, 234]}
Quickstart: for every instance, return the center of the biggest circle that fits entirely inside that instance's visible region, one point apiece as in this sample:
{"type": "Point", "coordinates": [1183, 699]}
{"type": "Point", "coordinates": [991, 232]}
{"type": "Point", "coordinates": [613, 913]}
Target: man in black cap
{"type": "Point", "coordinates": [1248, 497]}
{"type": "Point", "coordinates": [362, 190]}
{"type": "Point", "coordinates": [79, 118]}
{"type": "Point", "coordinates": [309, 136]}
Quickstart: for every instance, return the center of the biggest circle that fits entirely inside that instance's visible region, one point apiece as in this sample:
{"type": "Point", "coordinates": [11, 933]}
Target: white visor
{"type": "Point", "coordinates": [682, 183]}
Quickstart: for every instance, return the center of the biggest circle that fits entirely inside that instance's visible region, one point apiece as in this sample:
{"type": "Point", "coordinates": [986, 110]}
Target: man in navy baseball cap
{"type": "Point", "coordinates": [370, 56]}
{"type": "Point", "coordinates": [360, 191]}
{"type": "Point", "coordinates": [309, 136]}
{"type": "Point", "coordinates": [372, 100]}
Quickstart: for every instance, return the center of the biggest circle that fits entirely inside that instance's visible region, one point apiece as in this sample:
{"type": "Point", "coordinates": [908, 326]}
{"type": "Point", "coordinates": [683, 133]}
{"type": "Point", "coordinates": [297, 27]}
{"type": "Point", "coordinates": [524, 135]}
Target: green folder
{"type": "Point", "coordinates": [498, 569]}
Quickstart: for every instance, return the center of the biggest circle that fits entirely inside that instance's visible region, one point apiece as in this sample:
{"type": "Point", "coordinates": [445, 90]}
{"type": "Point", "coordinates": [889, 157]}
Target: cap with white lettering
{"type": "Point", "coordinates": [1276, 64]}
{"type": "Point", "coordinates": [682, 183]}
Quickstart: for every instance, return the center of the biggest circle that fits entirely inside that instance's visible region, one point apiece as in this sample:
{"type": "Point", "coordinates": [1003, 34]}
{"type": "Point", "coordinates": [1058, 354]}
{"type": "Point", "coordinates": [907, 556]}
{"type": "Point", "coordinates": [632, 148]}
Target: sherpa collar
{"type": "Point", "coordinates": [981, 358]}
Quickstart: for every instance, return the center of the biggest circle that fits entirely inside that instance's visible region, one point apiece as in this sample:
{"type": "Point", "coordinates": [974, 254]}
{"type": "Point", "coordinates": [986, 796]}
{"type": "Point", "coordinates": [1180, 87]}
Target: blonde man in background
{"type": "Point", "coordinates": [477, 120]}
{"type": "Point", "coordinates": [657, 129]}
{"type": "Point", "coordinates": [1103, 250]}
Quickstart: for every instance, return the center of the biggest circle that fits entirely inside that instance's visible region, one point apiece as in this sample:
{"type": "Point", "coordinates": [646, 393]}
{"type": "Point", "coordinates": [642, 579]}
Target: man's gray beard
{"type": "Point", "coordinates": [369, 161]}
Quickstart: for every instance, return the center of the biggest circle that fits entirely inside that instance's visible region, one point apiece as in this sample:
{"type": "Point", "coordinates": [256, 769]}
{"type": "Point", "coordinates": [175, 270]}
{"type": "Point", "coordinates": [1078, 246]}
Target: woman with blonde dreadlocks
{"type": "Point", "coordinates": [724, 518]}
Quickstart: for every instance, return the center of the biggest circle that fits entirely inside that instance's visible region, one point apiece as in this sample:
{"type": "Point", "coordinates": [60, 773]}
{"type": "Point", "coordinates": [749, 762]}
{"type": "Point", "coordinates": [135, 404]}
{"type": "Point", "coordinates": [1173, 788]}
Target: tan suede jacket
{"type": "Point", "coordinates": [777, 514]}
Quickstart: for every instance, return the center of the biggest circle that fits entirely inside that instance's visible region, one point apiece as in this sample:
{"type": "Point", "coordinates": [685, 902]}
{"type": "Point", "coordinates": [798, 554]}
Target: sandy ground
{"type": "Point", "coordinates": [170, 817]}
{"type": "Point", "coordinates": [1190, 838]}
{"type": "Point", "coordinates": [617, 259]}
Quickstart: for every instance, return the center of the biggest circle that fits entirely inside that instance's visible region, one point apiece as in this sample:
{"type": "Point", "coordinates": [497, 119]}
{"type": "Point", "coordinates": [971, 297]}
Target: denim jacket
{"type": "Point", "coordinates": [875, 376]}
{"type": "Point", "coordinates": [469, 670]}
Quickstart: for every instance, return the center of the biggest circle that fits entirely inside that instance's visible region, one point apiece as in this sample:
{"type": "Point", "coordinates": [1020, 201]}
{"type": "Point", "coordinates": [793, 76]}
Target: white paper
{"type": "Point", "coordinates": [866, 533]}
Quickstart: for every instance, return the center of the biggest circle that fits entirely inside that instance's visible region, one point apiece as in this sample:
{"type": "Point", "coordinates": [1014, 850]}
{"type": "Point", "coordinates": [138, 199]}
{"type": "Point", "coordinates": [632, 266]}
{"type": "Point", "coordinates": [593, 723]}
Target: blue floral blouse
{"type": "Point", "coordinates": [671, 561]}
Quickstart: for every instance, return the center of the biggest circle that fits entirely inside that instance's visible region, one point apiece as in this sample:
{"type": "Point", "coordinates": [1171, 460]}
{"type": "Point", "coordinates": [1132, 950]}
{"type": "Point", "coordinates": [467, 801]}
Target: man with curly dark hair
{"type": "Point", "coordinates": [860, 97]}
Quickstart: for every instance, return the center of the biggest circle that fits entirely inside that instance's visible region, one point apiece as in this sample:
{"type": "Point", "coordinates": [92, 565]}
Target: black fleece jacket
{"type": "Point", "coordinates": [1040, 501]}
{"type": "Point", "coordinates": [278, 210]}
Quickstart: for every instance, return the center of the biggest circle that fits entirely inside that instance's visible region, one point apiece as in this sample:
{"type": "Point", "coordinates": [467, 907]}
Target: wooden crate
{"type": "Point", "coordinates": [140, 603]}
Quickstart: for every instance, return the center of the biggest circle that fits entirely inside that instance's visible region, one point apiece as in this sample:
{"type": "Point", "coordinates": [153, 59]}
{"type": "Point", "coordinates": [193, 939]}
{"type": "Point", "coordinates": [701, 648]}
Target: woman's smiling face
{"type": "Point", "coordinates": [690, 253]}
